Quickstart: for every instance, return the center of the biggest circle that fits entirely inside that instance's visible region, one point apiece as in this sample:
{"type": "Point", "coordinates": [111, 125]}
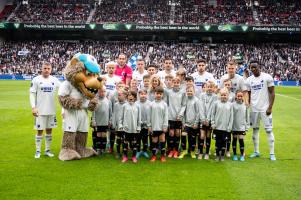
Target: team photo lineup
{"type": "Point", "coordinates": [150, 113]}
{"type": "Point", "coordinates": [150, 99]}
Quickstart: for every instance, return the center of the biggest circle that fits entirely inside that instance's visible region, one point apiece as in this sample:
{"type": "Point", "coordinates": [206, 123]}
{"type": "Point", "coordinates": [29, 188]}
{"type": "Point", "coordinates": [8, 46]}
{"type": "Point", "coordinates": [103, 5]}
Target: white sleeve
{"type": "Point", "coordinates": [57, 83]}
{"type": "Point", "coordinates": [270, 81]}
{"type": "Point", "coordinates": [247, 84]}
{"type": "Point", "coordinates": [33, 93]}
{"type": "Point", "coordinates": [242, 84]}
{"type": "Point", "coordinates": [32, 98]}
{"type": "Point", "coordinates": [33, 86]}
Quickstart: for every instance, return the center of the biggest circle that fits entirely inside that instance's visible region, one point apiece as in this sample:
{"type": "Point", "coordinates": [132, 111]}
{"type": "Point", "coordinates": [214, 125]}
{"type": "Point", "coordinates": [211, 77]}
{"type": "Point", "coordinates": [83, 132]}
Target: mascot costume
{"type": "Point", "coordinates": [77, 96]}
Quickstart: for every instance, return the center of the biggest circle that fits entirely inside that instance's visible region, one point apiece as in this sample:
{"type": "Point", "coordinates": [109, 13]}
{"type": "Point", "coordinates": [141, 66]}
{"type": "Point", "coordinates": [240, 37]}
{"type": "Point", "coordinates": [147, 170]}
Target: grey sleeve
{"type": "Point", "coordinates": [121, 118]}
{"type": "Point", "coordinates": [230, 125]}
{"type": "Point", "coordinates": [139, 118]}
{"type": "Point", "coordinates": [212, 114]}
{"type": "Point", "coordinates": [165, 122]}
{"type": "Point", "coordinates": [183, 106]}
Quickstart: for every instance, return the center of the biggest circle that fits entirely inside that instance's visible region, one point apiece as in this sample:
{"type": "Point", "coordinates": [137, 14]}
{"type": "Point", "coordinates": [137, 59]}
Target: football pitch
{"type": "Point", "coordinates": [23, 177]}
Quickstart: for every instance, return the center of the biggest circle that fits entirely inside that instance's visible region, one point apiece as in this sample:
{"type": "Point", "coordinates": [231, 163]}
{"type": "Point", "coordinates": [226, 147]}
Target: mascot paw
{"type": "Point", "coordinates": [88, 152]}
{"type": "Point", "coordinates": [69, 154]}
{"type": "Point", "coordinates": [92, 104]}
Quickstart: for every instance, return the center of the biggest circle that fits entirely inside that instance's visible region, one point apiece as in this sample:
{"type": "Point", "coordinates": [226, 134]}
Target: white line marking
{"type": "Point", "coordinates": [282, 95]}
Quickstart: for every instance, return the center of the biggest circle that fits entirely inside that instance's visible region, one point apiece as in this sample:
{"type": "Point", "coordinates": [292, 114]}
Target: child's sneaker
{"type": "Point", "coordinates": [242, 158]}
{"type": "Point", "coordinates": [206, 157]}
{"type": "Point", "coordinates": [192, 154]}
{"type": "Point", "coordinates": [124, 159]}
{"type": "Point", "coordinates": [110, 150]}
{"type": "Point", "coordinates": [163, 159]}
{"type": "Point", "coordinates": [138, 154]}
{"type": "Point", "coordinates": [48, 153]}
{"type": "Point", "coordinates": [37, 155]}
{"type": "Point", "coordinates": [200, 156]}
{"type": "Point", "coordinates": [235, 158]}
{"type": "Point", "coordinates": [134, 159]}
{"type": "Point", "coordinates": [182, 154]}
{"type": "Point", "coordinates": [176, 154]}
{"type": "Point", "coordinates": [223, 158]}
{"type": "Point", "coordinates": [272, 157]}
{"type": "Point", "coordinates": [228, 155]}
{"type": "Point", "coordinates": [170, 155]}
{"type": "Point", "coordinates": [153, 159]}
{"type": "Point", "coordinates": [145, 154]}
{"type": "Point", "coordinates": [217, 158]}
{"type": "Point", "coordinates": [254, 155]}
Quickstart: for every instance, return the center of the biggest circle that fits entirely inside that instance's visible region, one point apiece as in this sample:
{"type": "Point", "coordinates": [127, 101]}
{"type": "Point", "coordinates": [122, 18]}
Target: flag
{"type": "Point", "coordinates": [132, 61]}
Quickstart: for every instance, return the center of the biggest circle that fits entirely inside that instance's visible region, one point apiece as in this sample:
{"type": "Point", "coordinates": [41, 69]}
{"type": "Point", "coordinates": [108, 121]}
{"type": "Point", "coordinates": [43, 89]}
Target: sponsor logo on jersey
{"type": "Point", "coordinates": [47, 89]}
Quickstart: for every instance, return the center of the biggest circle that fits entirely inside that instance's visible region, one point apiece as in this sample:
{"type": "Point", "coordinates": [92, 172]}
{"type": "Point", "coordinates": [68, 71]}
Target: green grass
{"type": "Point", "coordinates": [23, 177]}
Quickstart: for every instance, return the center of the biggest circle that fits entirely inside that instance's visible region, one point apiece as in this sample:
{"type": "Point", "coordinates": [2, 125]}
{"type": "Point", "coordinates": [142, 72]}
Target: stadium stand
{"type": "Point", "coordinates": [282, 61]}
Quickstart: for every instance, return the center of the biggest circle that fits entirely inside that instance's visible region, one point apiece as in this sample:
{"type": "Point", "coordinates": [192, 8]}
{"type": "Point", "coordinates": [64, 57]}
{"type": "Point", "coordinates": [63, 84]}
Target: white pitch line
{"type": "Point", "coordinates": [282, 95]}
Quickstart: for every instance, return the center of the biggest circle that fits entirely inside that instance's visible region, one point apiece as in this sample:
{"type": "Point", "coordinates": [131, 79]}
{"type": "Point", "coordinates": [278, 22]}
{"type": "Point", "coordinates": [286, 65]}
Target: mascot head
{"type": "Point", "coordinates": [82, 72]}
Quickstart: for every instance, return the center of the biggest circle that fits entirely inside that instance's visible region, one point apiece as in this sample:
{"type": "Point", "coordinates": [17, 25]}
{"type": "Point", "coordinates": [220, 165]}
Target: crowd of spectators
{"type": "Point", "coordinates": [225, 12]}
{"type": "Point", "coordinates": [264, 12]}
{"type": "Point", "coordinates": [271, 12]}
{"type": "Point", "coordinates": [137, 11]}
{"type": "Point", "coordinates": [54, 12]}
{"type": "Point", "coordinates": [282, 61]}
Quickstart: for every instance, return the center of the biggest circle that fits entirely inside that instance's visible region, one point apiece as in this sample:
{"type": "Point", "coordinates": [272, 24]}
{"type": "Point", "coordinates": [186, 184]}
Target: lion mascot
{"type": "Point", "coordinates": [77, 96]}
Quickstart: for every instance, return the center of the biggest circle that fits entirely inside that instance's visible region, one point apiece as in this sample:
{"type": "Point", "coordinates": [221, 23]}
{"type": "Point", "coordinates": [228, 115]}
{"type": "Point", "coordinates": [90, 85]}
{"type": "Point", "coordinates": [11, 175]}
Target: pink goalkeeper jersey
{"type": "Point", "coordinates": [123, 73]}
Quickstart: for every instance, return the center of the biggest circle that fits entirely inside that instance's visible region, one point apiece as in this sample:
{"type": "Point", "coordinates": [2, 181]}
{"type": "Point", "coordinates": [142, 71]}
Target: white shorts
{"type": "Point", "coordinates": [267, 120]}
{"type": "Point", "coordinates": [76, 121]}
{"type": "Point", "coordinates": [45, 121]}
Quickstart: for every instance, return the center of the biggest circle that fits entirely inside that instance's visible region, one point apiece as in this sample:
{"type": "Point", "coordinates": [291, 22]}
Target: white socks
{"type": "Point", "coordinates": [38, 143]}
{"type": "Point", "coordinates": [255, 138]}
{"type": "Point", "coordinates": [271, 141]}
{"type": "Point", "coordinates": [48, 140]}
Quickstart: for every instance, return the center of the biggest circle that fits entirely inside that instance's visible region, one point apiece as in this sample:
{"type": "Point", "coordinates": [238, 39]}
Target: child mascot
{"type": "Point", "coordinates": [77, 96]}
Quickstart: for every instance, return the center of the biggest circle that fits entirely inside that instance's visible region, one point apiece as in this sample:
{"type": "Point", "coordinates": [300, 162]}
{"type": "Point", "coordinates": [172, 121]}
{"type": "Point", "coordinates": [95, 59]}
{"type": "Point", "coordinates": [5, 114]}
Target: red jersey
{"type": "Point", "coordinates": [123, 73]}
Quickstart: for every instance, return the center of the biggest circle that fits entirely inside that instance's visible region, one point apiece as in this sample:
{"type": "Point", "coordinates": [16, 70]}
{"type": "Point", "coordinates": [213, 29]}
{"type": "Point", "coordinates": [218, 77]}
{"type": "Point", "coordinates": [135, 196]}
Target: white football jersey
{"type": "Point", "coordinates": [238, 83]}
{"type": "Point", "coordinates": [200, 80]}
{"type": "Point", "coordinates": [44, 89]}
{"type": "Point", "coordinates": [139, 77]}
{"type": "Point", "coordinates": [163, 73]}
{"type": "Point", "coordinates": [259, 91]}
{"type": "Point", "coordinates": [111, 83]}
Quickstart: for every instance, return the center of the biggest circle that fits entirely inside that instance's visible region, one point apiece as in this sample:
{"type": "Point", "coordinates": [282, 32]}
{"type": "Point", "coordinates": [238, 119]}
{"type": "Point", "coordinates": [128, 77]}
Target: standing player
{"type": "Point", "coordinates": [111, 79]}
{"type": "Point", "coordinates": [176, 101]}
{"type": "Point", "coordinates": [261, 89]}
{"type": "Point", "coordinates": [237, 83]}
{"type": "Point", "coordinates": [240, 124]}
{"type": "Point", "coordinates": [152, 69]}
{"type": "Point", "coordinates": [201, 76]}
{"type": "Point", "coordinates": [42, 101]}
{"type": "Point", "coordinates": [123, 71]}
{"type": "Point", "coordinates": [168, 69]}
{"type": "Point", "coordinates": [158, 123]}
{"type": "Point", "coordinates": [140, 72]}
